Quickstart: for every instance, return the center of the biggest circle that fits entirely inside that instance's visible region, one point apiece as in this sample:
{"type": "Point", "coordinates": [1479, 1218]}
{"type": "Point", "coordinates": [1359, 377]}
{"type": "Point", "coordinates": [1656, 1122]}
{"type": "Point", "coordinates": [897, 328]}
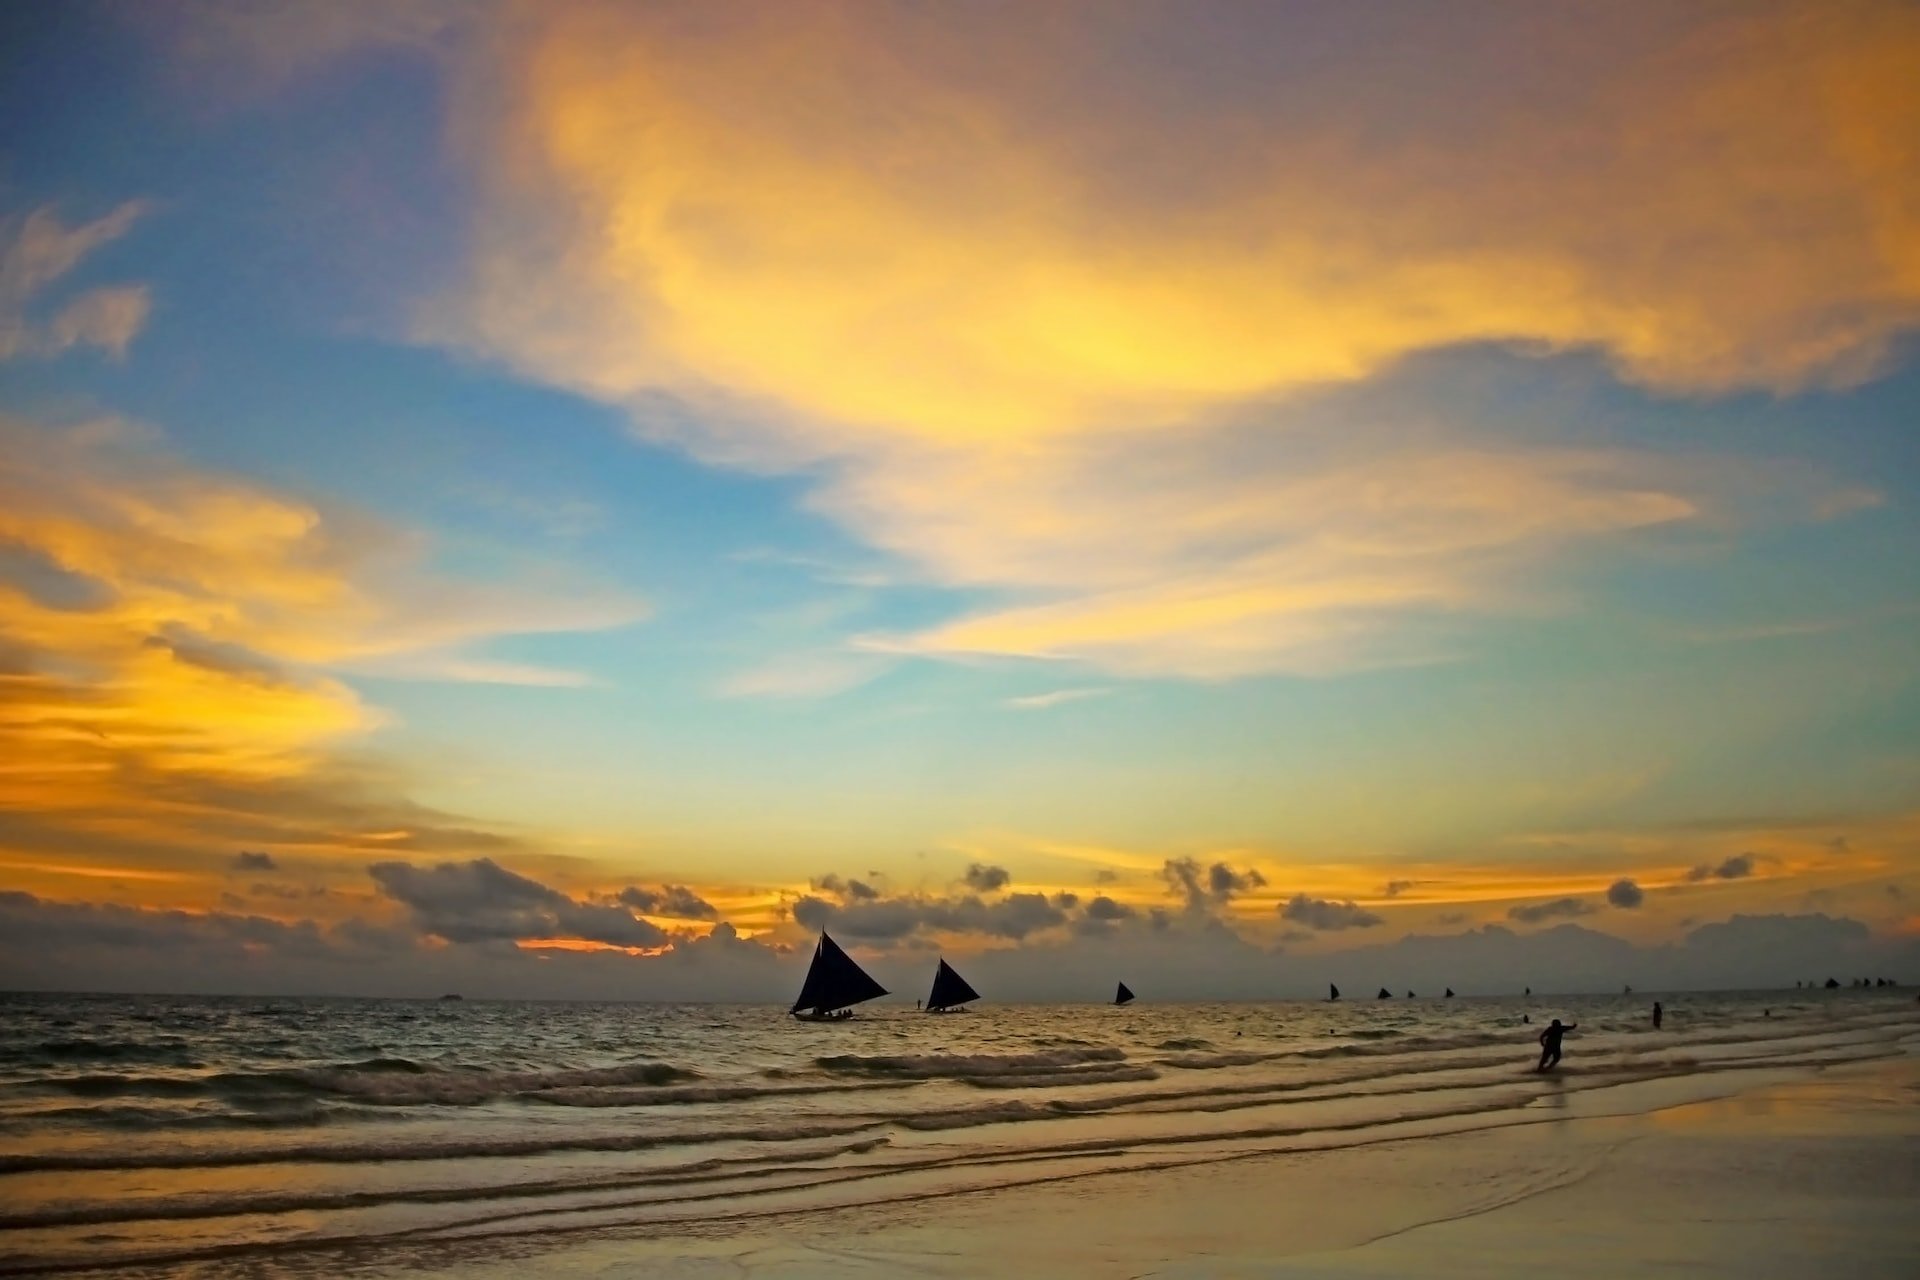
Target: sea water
{"type": "Point", "coordinates": [218, 1136]}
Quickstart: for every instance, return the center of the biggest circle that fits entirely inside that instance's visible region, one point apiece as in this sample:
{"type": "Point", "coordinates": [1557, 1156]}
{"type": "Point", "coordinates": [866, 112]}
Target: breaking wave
{"type": "Point", "coordinates": [970, 1066]}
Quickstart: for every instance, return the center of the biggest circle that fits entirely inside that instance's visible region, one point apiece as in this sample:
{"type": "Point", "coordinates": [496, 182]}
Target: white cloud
{"type": "Point", "coordinates": [1055, 698]}
{"type": "Point", "coordinates": [36, 252]}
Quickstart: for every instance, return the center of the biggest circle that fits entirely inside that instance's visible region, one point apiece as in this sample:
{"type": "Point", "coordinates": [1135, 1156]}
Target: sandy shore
{"type": "Point", "coordinates": [1775, 1174]}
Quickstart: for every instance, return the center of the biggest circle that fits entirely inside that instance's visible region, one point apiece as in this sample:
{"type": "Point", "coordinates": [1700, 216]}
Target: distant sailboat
{"type": "Point", "coordinates": [1529, 991]}
{"type": "Point", "coordinates": [1122, 995]}
{"type": "Point", "coordinates": [950, 990]}
{"type": "Point", "coordinates": [1333, 992]}
{"type": "Point", "coordinates": [834, 984]}
{"type": "Point", "coordinates": [1384, 994]}
{"type": "Point", "coordinates": [1412, 996]}
{"type": "Point", "coordinates": [1449, 993]}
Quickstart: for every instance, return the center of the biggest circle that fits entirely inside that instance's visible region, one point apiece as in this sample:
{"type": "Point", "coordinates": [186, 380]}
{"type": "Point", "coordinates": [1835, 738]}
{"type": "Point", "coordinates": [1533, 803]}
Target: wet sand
{"type": "Point", "coordinates": [1772, 1174]}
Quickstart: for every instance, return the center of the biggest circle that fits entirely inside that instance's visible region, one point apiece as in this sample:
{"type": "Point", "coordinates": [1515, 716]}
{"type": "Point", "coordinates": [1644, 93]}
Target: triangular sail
{"type": "Point", "coordinates": [1122, 995]}
{"type": "Point", "coordinates": [1384, 994]}
{"type": "Point", "coordinates": [1333, 992]}
{"type": "Point", "coordinates": [1449, 993]}
{"type": "Point", "coordinates": [949, 989]}
{"type": "Point", "coordinates": [834, 981]}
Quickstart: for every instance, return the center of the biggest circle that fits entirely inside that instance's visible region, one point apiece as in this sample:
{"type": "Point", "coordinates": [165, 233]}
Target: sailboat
{"type": "Point", "coordinates": [950, 990]}
{"type": "Point", "coordinates": [834, 985]}
{"type": "Point", "coordinates": [1449, 994]}
{"type": "Point", "coordinates": [1384, 994]}
{"type": "Point", "coordinates": [1122, 995]}
{"type": "Point", "coordinates": [1333, 992]}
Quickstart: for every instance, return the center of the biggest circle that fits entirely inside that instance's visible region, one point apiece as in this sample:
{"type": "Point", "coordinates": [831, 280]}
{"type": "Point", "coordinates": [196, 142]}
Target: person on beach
{"type": "Point", "coordinates": [1656, 1015]}
{"type": "Point", "coordinates": [1550, 1043]}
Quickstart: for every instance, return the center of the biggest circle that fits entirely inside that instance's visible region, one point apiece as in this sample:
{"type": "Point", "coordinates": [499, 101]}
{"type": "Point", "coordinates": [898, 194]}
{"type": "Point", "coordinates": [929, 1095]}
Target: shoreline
{"type": "Point", "coordinates": [1769, 1173]}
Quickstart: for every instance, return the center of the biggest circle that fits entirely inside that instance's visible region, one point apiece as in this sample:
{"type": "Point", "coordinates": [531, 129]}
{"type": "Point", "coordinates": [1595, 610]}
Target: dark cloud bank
{"type": "Point", "coordinates": [456, 926]}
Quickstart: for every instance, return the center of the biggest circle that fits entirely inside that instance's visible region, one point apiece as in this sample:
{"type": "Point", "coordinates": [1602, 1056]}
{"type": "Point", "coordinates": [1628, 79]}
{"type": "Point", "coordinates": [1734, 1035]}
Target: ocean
{"type": "Point", "coordinates": [297, 1137]}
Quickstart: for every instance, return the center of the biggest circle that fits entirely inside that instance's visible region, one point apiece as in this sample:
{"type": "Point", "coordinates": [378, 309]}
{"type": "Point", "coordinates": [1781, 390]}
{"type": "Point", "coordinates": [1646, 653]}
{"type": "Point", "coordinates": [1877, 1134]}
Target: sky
{"type": "Point", "coordinates": [571, 499]}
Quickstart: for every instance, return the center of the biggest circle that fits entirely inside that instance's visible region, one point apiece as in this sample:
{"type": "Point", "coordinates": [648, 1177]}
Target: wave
{"type": "Point", "coordinates": [222, 1204]}
{"type": "Point", "coordinates": [173, 1052]}
{"type": "Point", "coordinates": [382, 1084]}
{"type": "Point", "coordinates": [395, 1082]}
{"type": "Point", "coordinates": [1117, 1074]}
{"type": "Point", "coordinates": [962, 1066]}
{"type": "Point", "coordinates": [138, 1119]}
{"type": "Point", "coordinates": [1210, 1061]}
{"type": "Point", "coordinates": [401, 1150]}
{"type": "Point", "coordinates": [1411, 1045]}
{"type": "Point", "coordinates": [1188, 1042]}
{"type": "Point", "coordinates": [682, 1095]}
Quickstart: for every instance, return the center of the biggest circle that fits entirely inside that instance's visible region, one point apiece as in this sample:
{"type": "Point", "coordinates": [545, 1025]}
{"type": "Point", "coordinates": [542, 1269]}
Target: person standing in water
{"type": "Point", "coordinates": [1550, 1043]}
{"type": "Point", "coordinates": [1656, 1015]}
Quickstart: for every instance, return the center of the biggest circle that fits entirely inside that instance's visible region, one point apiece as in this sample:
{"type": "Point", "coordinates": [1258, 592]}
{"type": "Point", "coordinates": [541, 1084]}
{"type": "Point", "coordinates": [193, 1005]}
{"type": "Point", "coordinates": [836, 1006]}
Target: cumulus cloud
{"type": "Point", "coordinates": [1214, 885]}
{"type": "Point", "coordinates": [675, 901]}
{"type": "Point", "coordinates": [1625, 894]}
{"type": "Point", "coordinates": [1327, 916]}
{"type": "Point", "coordinates": [1558, 908]}
{"type": "Point", "coordinates": [247, 860]}
{"type": "Point", "coordinates": [1737, 867]}
{"type": "Point", "coordinates": [985, 879]}
{"type": "Point", "coordinates": [1013, 917]}
{"type": "Point", "coordinates": [48, 945]}
{"type": "Point", "coordinates": [482, 901]}
{"type": "Point", "coordinates": [841, 887]}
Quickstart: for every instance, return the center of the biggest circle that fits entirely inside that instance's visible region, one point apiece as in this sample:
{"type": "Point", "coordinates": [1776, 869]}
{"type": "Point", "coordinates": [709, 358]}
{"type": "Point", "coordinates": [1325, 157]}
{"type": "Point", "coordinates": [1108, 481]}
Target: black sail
{"type": "Point", "coordinates": [1333, 992]}
{"type": "Point", "coordinates": [949, 989]}
{"type": "Point", "coordinates": [1384, 994]}
{"type": "Point", "coordinates": [1122, 995]}
{"type": "Point", "coordinates": [834, 981]}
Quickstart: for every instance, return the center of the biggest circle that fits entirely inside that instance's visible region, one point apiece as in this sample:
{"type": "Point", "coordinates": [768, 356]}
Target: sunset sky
{"type": "Point", "coordinates": [570, 498]}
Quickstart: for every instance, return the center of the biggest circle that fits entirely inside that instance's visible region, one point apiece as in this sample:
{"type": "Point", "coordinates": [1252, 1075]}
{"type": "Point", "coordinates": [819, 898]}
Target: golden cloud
{"type": "Point", "coordinates": [874, 219]}
{"type": "Point", "coordinates": [1004, 280]}
{"type": "Point", "coordinates": [170, 643]}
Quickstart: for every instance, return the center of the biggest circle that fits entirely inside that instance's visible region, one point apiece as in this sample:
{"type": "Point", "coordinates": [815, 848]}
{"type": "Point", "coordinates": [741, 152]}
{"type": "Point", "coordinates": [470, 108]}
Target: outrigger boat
{"type": "Point", "coordinates": [834, 985]}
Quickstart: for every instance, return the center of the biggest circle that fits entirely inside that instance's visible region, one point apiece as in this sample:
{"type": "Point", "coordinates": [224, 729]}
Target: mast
{"type": "Point", "coordinates": [834, 981]}
{"type": "Point", "coordinates": [950, 990]}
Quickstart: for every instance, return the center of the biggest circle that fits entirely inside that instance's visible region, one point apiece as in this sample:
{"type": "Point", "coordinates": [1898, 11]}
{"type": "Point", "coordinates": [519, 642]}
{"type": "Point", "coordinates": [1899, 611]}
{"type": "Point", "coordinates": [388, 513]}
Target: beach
{"type": "Point", "coordinates": [1791, 1174]}
{"type": "Point", "coordinates": [1762, 1133]}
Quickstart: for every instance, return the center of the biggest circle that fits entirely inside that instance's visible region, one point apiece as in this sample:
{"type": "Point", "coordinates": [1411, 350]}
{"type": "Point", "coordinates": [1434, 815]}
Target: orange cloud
{"type": "Point", "coordinates": [169, 647]}
{"type": "Point", "coordinates": [1732, 205]}
{"type": "Point", "coordinates": [1006, 285]}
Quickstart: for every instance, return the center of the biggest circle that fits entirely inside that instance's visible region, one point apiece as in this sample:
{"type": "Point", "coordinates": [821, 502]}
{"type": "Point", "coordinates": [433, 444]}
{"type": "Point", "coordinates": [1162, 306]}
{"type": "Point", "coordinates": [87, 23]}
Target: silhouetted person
{"type": "Point", "coordinates": [1657, 1013]}
{"type": "Point", "coordinates": [1550, 1043]}
{"type": "Point", "coordinates": [1526, 1018]}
